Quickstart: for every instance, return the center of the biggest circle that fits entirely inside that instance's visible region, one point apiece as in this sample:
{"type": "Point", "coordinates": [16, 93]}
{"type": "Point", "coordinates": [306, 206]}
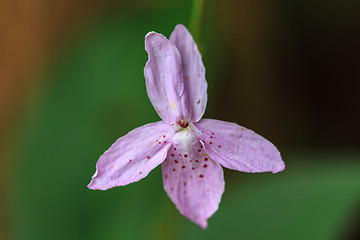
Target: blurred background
{"type": "Point", "coordinates": [72, 83]}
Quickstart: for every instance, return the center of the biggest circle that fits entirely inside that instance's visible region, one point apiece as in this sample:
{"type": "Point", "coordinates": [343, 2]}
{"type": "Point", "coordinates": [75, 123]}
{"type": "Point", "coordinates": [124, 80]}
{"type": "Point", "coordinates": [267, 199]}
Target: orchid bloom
{"type": "Point", "coordinates": [190, 150]}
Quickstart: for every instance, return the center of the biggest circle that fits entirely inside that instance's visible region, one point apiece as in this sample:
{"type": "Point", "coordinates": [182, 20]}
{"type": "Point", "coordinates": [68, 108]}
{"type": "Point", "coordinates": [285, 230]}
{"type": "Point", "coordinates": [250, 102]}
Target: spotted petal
{"type": "Point", "coordinates": [193, 181]}
{"type": "Point", "coordinates": [132, 156]}
{"type": "Point", "coordinates": [163, 75]}
{"type": "Point", "coordinates": [195, 96]}
{"type": "Point", "coordinates": [238, 148]}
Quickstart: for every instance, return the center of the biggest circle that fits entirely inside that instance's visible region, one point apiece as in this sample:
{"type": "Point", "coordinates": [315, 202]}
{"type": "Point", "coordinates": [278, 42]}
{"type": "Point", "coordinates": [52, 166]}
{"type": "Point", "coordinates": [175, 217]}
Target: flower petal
{"type": "Point", "coordinates": [193, 181]}
{"type": "Point", "coordinates": [238, 148]}
{"type": "Point", "coordinates": [163, 75]}
{"type": "Point", "coordinates": [132, 156]}
{"type": "Point", "coordinates": [195, 96]}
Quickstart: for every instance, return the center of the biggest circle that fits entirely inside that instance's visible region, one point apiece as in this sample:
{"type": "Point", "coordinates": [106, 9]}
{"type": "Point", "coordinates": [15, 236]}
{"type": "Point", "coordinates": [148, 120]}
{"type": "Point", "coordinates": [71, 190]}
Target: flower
{"type": "Point", "coordinates": [190, 150]}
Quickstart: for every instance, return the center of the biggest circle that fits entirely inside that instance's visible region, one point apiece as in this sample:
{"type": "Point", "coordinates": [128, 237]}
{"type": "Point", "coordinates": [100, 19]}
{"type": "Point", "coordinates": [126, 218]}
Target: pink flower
{"type": "Point", "coordinates": [190, 150]}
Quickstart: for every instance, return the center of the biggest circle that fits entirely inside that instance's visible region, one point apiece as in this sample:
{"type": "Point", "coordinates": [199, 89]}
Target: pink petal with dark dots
{"type": "Point", "coordinates": [163, 75]}
{"type": "Point", "coordinates": [194, 184]}
{"type": "Point", "coordinates": [195, 96]}
{"type": "Point", "coordinates": [132, 156]}
{"type": "Point", "coordinates": [238, 148]}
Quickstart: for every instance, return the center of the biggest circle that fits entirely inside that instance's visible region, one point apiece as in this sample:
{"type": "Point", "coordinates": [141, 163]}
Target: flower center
{"type": "Point", "coordinates": [184, 140]}
{"type": "Point", "coordinates": [183, 123]}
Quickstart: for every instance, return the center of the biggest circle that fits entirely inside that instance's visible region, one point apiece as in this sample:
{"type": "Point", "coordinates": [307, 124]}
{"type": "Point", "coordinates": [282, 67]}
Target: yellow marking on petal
{"type": "Point", "coordinates": [172, 105]}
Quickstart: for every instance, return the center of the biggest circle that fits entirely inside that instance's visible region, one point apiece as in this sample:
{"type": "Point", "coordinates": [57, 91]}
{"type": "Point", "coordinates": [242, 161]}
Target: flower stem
{"type": "Point", "coordinates": [195, 20]}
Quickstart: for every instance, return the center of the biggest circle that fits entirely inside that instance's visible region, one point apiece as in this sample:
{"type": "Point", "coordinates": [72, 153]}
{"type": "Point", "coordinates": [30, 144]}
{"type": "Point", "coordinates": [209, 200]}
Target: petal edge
{"type": "Point", "coordinates": [194, 98]}
{"type": "Point", "coordinates": [132, 156]}
{"type": "Point", "coordinates": [238, 148]}
{"type": "Point", "coordinates": [192, 180]}
{"type": "Point", "coordinates": [163, 77]}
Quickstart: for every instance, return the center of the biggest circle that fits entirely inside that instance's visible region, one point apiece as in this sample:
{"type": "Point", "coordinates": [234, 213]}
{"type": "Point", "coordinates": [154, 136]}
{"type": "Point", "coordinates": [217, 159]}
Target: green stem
{"type": "Point", "coordinates": [195, 20]}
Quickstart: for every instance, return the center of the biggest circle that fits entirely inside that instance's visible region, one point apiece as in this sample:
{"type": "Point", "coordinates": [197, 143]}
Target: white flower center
{"type": "Point", "coordinates": [184, 138]}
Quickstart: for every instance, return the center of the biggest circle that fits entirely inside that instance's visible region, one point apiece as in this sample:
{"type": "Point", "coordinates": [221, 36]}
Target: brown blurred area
{"type": "Point", "coordinates": [30, 31]}
{"type": "Point", "coordinates": [292, 68]}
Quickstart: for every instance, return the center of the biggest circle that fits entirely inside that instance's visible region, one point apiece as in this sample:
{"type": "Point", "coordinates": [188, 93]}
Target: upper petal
{"type": "Point", "coordinates": [238, 148]}
{"type": "Point", "coordinates": [195, 96]}
{"type": "Point", "coordinates": [193, 181]}
{"type": "Point", "coordinates": [132, 156]}
{"type": "Point", "coordinates": [163, 75]}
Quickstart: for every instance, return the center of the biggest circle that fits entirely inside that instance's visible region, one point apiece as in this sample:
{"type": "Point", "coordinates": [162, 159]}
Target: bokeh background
{"type": "Point", "coordinates": [72, 83]}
